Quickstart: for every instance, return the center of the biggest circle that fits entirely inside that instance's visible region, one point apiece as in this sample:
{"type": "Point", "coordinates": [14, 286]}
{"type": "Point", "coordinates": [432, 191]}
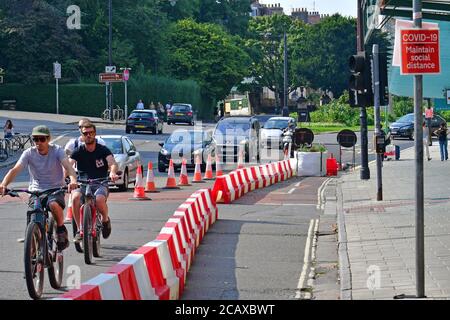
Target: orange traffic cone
{"type": "Point", "coordinates": [208, 172]}
{"type": "Point", "coordinates": [198, 171]}
{"type": "Point", "coordinates": [219, 171]}
{"type": "Point", "coordinates": [171, 182]}
{"type": "Point", "coordinates": [139, 192]}
{"type": "Point", "coordinates": [184, 181]}
{"type": "Point", "coordinates": [69, 213]}
{"type": "Point", "coordinates": [150, 186]}
{"type": "Point", "coordinates": [240, 164]}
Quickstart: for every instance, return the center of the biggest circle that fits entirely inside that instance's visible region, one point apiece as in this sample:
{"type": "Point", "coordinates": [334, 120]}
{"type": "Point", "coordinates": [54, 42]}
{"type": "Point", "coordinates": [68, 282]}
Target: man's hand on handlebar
{"type": "Point", "coordinates": [114, 176]}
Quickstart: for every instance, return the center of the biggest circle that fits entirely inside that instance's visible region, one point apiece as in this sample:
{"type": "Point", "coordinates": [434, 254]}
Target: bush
{"type": "Point", "coordinates": [337, 111]}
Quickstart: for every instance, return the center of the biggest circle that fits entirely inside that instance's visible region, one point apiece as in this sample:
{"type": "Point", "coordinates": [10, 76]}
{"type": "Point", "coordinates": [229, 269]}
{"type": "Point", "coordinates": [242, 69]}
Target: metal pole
{"type": "Point", "coordinates": [285, 102]}
{"type": "Point", "coordinates": [126, 101]}
{"type": "Point", "coordinates": [365, 171]}
{"type": "Point", "coordinates": [57, 97]}
{"type": "Point", "coordinates": [418, 141]}
{"type": "Point", "coordinates": [376, 95]}
{"type": "Point", "coordinates": [110, 59]}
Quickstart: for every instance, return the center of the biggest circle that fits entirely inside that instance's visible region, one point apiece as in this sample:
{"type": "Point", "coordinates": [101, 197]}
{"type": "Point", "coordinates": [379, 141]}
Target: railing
{"type": "Point", "coordinates": [10, 146]}
{"type": "Point", "coordinates": [118, 114]}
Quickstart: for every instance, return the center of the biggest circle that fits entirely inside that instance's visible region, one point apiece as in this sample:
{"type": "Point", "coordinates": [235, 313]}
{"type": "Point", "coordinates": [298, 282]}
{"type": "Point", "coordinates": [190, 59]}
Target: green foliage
{"type": "Point", "coordinates": [338, 111]}
{"type": "Point", "coordinates": [402, 106]}
{"type": "Point", "coordinates": [315, 147]}
{"type": "Point", "coordinates": [206, 53]}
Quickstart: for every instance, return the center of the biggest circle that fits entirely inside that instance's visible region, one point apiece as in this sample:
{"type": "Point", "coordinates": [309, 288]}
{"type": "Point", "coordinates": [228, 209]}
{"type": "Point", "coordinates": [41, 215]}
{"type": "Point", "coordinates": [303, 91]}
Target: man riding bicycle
{"type": "Point", "coordinates": [93, 161]}
{"type": "Point", "coordinates": [45, 162]}
{"type": "Point", "coordinates": [75, 142]}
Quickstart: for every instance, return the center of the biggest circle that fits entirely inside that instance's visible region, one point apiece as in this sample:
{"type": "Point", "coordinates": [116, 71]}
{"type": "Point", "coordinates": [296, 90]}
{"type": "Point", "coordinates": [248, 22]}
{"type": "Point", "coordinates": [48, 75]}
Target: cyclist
{"type": "Point", "coordinates": [45, 162]}
{"type": "Point", "coordinates": [93, 161]}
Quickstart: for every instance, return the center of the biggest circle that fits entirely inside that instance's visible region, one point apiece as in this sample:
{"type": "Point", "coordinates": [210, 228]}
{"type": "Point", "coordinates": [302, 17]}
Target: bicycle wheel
{"type": "Point", "coordinates": [78, 246]}
{"type": "Point", "coordinates": [3, 153]}
{"type": "Point", "coordinates": [34, 261]}
{"type": "Point", "coordinates": [87, 234]}
{"type": "Point", "coordinates": [56, 263]}
{"type": "Point", "coordinates": [96, 240]}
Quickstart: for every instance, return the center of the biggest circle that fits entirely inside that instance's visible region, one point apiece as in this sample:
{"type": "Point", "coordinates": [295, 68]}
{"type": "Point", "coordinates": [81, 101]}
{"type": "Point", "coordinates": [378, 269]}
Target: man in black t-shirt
{"type": "Point", "coordinates": [93, 161]}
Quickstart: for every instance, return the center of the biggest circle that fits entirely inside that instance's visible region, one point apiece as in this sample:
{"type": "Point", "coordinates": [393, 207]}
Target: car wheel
{"type": "Point", "coordinates": [161, 168]}
{"type": "Point", "coordinates": [124, 186]}
{"type": "Point", "coordinates": [168, 122]}
{"type": "Point", "coordinates": [127, 130]}
{"type": "Point", "coordinates": [154, 130]}
{"type": "Point", "coordinates": [192, 123]}
{"type": "Point", "coordinates": [411, 137]}
{"type": "Point", "coordinates": [161, 131]}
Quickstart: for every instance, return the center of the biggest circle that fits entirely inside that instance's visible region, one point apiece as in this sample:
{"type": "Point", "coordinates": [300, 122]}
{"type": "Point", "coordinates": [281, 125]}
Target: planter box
{"type": "Point", "coordinates": [311, 164]}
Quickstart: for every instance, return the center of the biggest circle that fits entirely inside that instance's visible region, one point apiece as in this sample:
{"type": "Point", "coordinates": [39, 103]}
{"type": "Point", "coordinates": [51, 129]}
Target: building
{"type": "Point", "coordinates": [308, 17]}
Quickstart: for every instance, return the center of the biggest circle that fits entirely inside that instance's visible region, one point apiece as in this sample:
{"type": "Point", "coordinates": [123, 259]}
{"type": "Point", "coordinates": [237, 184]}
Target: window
{"type": "Point", "coordinates": [127, 145]}
{"type": "Point", "coordinates": [146, 115]}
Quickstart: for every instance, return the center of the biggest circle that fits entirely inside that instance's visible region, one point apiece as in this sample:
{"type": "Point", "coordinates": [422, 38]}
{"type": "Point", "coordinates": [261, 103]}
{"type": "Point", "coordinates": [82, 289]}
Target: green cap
{"type": "Point", "coordinates": [40, 131]}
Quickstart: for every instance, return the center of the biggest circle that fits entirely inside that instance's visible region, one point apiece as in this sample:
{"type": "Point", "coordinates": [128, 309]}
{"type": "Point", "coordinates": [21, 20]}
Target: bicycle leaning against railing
{"type": "Point", "coordinates": [118, 114]}
{"type": "Point", "coordinates": [40, 246]}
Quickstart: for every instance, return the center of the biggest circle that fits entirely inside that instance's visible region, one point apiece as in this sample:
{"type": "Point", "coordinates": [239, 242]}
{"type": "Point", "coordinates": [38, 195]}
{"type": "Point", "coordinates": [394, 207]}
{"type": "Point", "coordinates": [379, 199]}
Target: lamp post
{"type": "Point", "coordinates": [125, 81]}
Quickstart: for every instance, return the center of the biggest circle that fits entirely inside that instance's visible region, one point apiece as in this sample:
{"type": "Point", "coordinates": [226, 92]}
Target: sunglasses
{"type": "Point", "coordinates": [88, 133]}
{"type": "Point", "coordinates": [39, 139]}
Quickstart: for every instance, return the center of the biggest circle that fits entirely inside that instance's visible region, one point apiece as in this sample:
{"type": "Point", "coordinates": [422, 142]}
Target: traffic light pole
{"type": "Point", "coordinates": [376, 95]}
{"type": "Point", "coordinates": [365, 172]}
{"type": "Point", "coordinates": [418, 141]}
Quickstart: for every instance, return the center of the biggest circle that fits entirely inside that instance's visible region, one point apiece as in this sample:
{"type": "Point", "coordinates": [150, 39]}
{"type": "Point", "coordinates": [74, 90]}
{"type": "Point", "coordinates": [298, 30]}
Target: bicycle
{"type": "Point", "coordinates": [40, 246]}
{"type": "Point", "coordinates": [4, 153]}
{"type": "Point", "coordinates": [90, 222]}
{"type": "Point", "coordinates": [105, 114]}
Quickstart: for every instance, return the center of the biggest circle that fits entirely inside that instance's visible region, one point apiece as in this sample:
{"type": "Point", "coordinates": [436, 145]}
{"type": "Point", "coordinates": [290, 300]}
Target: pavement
{"type": "Point", "coordinates": [372, 254]}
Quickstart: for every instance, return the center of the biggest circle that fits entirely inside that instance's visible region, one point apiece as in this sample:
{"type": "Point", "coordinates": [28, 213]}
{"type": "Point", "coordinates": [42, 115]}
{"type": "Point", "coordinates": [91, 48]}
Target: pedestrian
{"type": "Point", "coordinates": [151, 106]}
{"type": "Point", "coordinates": [429, 115]}
{"type": "Point", "coordinates": [442, 136]}
{"type": "Point", "coordinates": [425, 140]}
{"type": "Point", "coordinates": [8, 129]}
{"type": "Point", "coordinates": [140, 105]}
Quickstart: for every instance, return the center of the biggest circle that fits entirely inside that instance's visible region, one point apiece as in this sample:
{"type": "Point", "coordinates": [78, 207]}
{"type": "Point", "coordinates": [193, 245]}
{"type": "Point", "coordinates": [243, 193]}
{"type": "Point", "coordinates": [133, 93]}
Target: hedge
{"type": "Point", "coordinates": [90, 99]}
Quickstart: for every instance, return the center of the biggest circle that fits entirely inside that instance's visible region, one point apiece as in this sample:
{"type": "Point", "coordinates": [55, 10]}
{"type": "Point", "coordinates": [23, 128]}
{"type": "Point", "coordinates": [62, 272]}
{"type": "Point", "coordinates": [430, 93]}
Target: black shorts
{"type": "Point", "coordinates": [56, 197]}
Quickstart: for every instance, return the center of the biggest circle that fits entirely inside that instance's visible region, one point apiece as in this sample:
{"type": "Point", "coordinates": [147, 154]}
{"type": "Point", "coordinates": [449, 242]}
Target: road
{"type": "Point", "coordinates": [254, 251]}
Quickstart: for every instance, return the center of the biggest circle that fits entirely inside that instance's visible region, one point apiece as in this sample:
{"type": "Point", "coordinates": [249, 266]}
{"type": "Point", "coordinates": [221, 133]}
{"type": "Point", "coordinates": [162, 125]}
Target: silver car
{"type": "Point", "coordinates": [127, 158]}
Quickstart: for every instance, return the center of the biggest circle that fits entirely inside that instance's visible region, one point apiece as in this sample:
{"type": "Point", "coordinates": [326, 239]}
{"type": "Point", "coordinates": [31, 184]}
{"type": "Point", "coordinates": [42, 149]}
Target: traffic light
{"type": "Point", "coordinates": [384, 90]}
{"type": "Point", "coordinates": [361, 79]}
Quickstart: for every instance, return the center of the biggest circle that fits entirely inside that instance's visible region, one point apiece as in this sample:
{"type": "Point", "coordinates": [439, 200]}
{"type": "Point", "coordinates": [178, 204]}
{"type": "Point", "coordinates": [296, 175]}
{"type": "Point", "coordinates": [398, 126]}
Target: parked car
{"type": "Point", "coordinates": [262, 118]}
{"type": "Point", "coordinates": [144, 120]}
{"type": "Point", "coordinates": [186, 143]}
{"type": "Point", "coordinates": [233, 132]}
{"type": "Point", "coordinates": [181, 112]}
{"type": "Point", "coordinates": [272, 133]}
{"type": "Point", "coordinates": [404, 126]}
{"type": "Point", "coordinates": [126, 156]}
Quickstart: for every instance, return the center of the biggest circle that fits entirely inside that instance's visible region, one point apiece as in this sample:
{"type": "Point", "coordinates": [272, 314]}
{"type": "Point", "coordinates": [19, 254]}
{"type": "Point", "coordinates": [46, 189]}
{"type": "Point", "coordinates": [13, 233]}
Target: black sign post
{"type": "Point", "coordinates": [347, 139]}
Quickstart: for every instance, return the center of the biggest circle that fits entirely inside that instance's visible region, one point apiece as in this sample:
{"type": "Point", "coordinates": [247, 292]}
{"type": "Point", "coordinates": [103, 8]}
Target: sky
{"type": "Point", "coordinates": [344, 7]}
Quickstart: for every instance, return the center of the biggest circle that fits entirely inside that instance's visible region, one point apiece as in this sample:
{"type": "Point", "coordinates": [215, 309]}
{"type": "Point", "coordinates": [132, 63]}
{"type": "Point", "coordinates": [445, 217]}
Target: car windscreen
{"type": "Point", "coordinates": [181, 109]}
{"type": "Point", "coordinates": [115, 145]}
{"type": "Point", "coordinates": [186, 137]}
{"type": "Point", "coordinates": [146, 115]}
{"type": "Point", "coordinates": [407, 118]}
{"type": "Point", "coordinates": [276, 124]}
{"type": "Point", "coordinates": [233, 127]}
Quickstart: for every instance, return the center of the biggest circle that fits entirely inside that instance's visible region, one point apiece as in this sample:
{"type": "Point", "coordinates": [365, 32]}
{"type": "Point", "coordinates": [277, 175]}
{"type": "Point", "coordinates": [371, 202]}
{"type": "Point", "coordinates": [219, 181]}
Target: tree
{"type": "Point", "coordinates": [205, 53]}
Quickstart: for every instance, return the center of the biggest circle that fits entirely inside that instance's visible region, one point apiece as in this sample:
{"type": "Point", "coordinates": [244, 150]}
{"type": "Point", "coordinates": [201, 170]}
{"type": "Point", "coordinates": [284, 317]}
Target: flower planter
{"type": "Point", "coordinates": [311, 164]}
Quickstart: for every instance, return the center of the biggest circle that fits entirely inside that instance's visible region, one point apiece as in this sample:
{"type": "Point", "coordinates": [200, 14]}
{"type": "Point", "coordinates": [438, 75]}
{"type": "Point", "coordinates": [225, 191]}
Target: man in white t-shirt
{"type": "Point", "coordinates": [140, 105]}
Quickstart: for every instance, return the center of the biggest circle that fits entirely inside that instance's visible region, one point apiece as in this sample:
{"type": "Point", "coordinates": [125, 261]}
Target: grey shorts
{"type": "Point", "coordinates": [96, 189]}
{"type": "Point", "coordinates": [58, 198]}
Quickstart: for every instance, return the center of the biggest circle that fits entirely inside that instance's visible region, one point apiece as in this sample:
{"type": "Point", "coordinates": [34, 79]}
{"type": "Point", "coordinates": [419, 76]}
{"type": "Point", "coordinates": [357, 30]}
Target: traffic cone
{"type": "Point", "coordinates": [184, 181]}
{"type": "Point", "coordinates": [208, 172]}
{"type": "Point", "coordinates": [69, 213]}
{"type": "Point", "coordinates": [150, 185]}
{"type": "Point", "coordinates": [240, 164]}
{"type": "Point", "coordinates": [219, 171]}
{"type": "Point", "coordinates": [139, 192]}
{"type": "Point", "coordinates": [198, 171]}
{"type": "Point", "coordinates": [171, 182]}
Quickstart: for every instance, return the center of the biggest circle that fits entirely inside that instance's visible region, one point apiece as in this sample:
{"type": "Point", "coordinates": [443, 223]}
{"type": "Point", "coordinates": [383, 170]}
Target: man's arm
{"type": "Point", "coordinates": [10, 176]}
{"type": "Point", "coordinates": [112, 164]}
{"type": "Point", "coordinates": [70, 171]}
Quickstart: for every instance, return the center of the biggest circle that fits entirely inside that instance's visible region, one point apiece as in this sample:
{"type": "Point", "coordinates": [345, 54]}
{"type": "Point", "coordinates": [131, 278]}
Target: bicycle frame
{"type": "Point", "coordinates": [90, 201]}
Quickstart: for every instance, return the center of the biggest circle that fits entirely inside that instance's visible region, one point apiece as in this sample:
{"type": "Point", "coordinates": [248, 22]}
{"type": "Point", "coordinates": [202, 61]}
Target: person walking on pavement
{"type": "Point", "coordinates": [8, 129]}
{"type": "Point", "coordinates": [442, 136]}
{"type": "Point", "coordinates": [425, 140]}
{"type": "Point", "coordinates": [429, 114]}
{"type": "Point", "coordinates": [140, 105]}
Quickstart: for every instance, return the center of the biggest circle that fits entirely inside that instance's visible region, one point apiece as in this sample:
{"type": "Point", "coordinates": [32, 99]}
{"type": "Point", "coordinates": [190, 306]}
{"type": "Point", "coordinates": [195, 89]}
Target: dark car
{"type": "Point", "coordinates": [185, 143]}
{"type": "Point", "coordinates": [232, 133]}
{"type": "Point", "coordinates": [404, 126]}
{"type": "Point", "coordinates": [181, 112]}
{"type": "Point", "coordinates": [144, 120]}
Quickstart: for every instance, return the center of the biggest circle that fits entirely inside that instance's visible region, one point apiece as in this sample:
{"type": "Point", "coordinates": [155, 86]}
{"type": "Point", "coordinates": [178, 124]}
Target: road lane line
{"type": "Point", "coordinates": [320, 194]}
{"type": "Point", "coordinates": [298, 184]}
{"type": "Point", "coordinates": [301, 281]}
{"type": "Point", "coordinates": [291, 191]}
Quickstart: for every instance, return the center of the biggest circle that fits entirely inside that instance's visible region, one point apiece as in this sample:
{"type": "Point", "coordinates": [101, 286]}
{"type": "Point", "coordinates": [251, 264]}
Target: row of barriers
{"type": "Point", "coordinates": [157, 270]}
{"type": "Point", "coordinates": [230, 187]}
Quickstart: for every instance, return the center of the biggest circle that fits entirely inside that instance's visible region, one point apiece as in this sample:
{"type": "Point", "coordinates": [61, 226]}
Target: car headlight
{"type": "Point", "coordinates": [164, 152]}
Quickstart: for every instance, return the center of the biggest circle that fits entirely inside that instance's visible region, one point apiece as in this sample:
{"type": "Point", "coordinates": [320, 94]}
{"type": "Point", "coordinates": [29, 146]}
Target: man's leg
{"type": "Point", "coordinates": [56, 205]}
{"type": "Point", "coordinates": [76, 204]}
{"type": "Point", "coordinates": [427, 150]}
{"type": "Point", "coordinates": [101, 195]}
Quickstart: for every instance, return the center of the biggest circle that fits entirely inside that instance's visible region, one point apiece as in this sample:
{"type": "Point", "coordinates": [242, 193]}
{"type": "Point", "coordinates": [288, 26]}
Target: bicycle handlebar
{"type": "Point", "coordinates": [15, 192]}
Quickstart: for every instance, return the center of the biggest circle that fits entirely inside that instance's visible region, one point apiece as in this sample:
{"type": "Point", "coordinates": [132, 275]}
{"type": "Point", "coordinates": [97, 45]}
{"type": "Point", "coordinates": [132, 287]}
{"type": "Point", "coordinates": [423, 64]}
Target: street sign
{"type": "Point", "coordinates": [346, 138]}
{"type": "Point", "coordinates": [110, 77]}
{"type": "Point", "coordinates": [126, 74]}
{"type": "Point", "coordinates": [420, 51]}
{"type": "Point", "coordinates": [57, 70]}
{"type": "Point", "coordinates": [110, 69]}
{"type": "Point", "coordinates": [303, 136]}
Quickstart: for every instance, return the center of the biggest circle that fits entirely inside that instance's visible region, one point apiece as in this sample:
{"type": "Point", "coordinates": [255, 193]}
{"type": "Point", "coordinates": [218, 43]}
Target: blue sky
{"type": "Point", "coordinates": [344, 7]}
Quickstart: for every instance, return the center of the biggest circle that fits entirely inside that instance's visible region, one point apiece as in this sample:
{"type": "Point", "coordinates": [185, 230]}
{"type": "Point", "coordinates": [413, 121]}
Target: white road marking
{"type": "Point", "coordinates": [306, 260]}
{"type": "Point", "coordinates": [60, 137]}
{"type": "Point", "coordinates": [298, 184]}
{"type": "Point", "coordinates": [285, 204]}
{"type": "Point", "coordinates": [320, 194]}
{"type": "Point", "coordinates": [291, 191]}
